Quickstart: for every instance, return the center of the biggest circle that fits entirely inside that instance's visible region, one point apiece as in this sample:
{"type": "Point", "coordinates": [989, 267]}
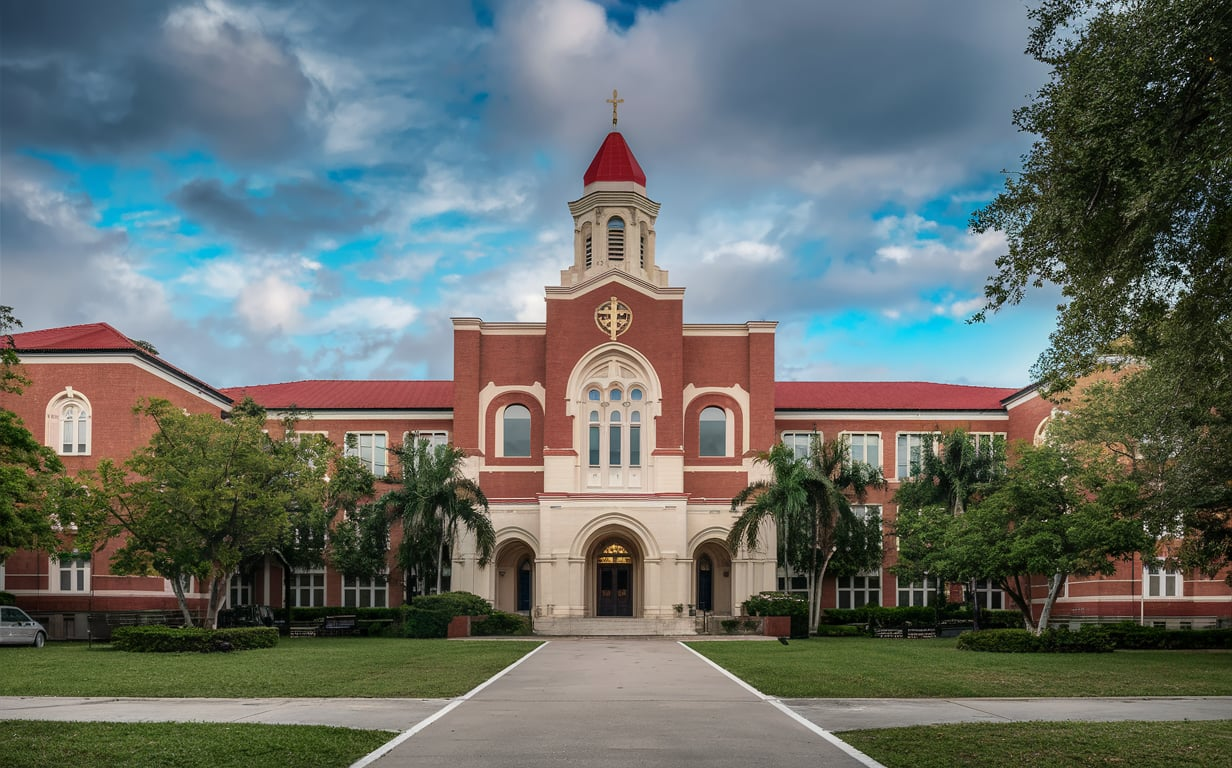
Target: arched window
{"type": "Point", "coordinates": [635, 439]}
{"type": "Point", "coordinates": [517, 431]}
{"type": "Point", "coordinates": [68, 423]}
{"type": "Point", "coordinates": [593, 439]}
{"type": "Point", "coordinates": [613, 439]}
{"type": "Point", "coordinates": [712, 432]}
{"type": "Point", "coordinates": [615, 239]}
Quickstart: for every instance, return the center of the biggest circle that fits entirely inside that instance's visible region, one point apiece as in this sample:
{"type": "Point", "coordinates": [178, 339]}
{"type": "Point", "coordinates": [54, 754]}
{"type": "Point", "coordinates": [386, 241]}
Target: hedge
{"type": "Point", "coordinates": [921, 616]}
{"type": "Point", "coordinates": [429, 616]}
{"type": "Point", "coordinates": [781, 604]}
{"type": "Point", "coordinates": [1132, 636]}
{"type": "Point", "coordinates": [360, 614]}
{"type": "Point", "coordinates": [8, 598]}
{"type": "Point", "coordinates": [155, 638]}
{"type": "Point", "coordinates": [841, 630]}
{"type": "Point", "coordinates": [1088, 639]}
{"type": "Point", "coordinates": [501, 623]}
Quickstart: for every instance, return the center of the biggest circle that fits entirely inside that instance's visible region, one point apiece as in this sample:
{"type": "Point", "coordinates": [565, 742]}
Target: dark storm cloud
{"type": "Point", "coordinates": [288, 217]}
{"type": "Point", "coordinates": [105, 78]}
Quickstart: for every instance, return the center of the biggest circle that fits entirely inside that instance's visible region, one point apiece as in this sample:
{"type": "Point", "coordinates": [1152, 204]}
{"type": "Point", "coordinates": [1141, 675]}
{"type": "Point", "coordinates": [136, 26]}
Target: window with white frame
{"type": "Point", "coordinates": [712, 432]}
{"type": "Point", "coordinates": [989, 595]}
{"type": "Point", "coordinates": [860, 590]}
{"type": "Point", "coordinates": [800, 443]}
{"type": "Point", "coordinates": [1160, 583]}
{"type": "Point", "coordinates": [71, 573]}
{"type": "Point", "coordinates": [308, 588]}
{"type": "Point", "coordinates": [69, 423]}
{"type": "Point", "coordinates": [239, 589]}
{"type": "Point", "coordinates": [434, 438]}
{"type": "Point", "coordinates": [614, 425]}
{"type": "Point", "coordinates": [910, 445]}
{"type": "Point", "coordinates": [360, 592]}
{"type": "Point", "coordinates": [371, 449]}
{"type": "Point", "coordinates": [917, 593]}
{"type": "Point", "coordinates": [986, 442]}
{"type": "Point", "coordinates": [798, 584]}
{"type": "Point", "coordinates": [516, 439]}
{"type": "Point", "coordinates": [865, 447]}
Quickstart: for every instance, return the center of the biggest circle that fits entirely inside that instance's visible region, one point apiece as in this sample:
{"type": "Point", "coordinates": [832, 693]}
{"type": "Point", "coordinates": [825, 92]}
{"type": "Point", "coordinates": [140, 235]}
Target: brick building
{"type": "Point", "coordinates": [609, 439]}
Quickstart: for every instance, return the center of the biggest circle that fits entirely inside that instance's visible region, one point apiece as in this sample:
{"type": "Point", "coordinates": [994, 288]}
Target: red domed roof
{"type": "Point", "coordinates": [614, 162]}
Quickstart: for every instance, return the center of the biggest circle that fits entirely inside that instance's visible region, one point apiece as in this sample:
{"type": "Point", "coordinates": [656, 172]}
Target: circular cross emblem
{"type": "Point", "coordinates": [613, 317]}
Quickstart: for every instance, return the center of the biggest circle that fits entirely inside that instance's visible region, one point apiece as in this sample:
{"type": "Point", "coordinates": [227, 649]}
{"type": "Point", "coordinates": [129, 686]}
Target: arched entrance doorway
{"type": "Point", "coordinates": [614, 579]}
{"type": "Point", "coordinates": [515, 573]}
{"type": "Point", "coordinates": [712, 587]}
{"type": "Point", "coordinates": [705, 583]}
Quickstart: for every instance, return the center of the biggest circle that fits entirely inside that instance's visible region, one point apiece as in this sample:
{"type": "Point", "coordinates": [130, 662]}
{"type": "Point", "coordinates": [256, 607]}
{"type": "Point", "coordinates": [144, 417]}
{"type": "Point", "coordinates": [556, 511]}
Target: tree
{"type": "Point", "coordinates": [435, 504]}
{"type": "Point", "coordinates": [11, 380]}
{"type": "Point", "coordinates": [1125, 203]}
{"type": "Point", "coordinates": [202, 497]}
{"type": "Point", "coordinates": [1125, 199]}
{"type": "Point", "coordinates": [809, 503]}
{"type": "Point", "coordinates": [951, 470]}
{"type": "Point", "coordinates": [1050, 515]}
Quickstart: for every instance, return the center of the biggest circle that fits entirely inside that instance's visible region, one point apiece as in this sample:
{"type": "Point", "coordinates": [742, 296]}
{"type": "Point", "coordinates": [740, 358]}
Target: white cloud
{"type": "Point", "coordinates": [370, 312]}
{"type": "Point", "coordinates": [272, 304]}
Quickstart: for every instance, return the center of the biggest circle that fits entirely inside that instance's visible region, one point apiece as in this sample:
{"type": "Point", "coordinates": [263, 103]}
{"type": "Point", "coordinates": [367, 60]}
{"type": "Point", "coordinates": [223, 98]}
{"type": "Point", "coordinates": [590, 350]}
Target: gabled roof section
{"type": "Point", "coordinates": [614, 162]}
{"type": "Point", "coordinates": [98, 338]}
{"type": "Point", "coordinates": [92, 337]}
{"type": "Point", "coordinates": [886, 396]}
{"type": "Point", "coordinates": [333, 394]}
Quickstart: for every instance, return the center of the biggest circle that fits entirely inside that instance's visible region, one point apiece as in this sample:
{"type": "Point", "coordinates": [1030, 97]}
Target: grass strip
{"type": "Point", "coordinates": [35, 744]}
{"type": "Point", "coordinates": [1196, 744]}
{"type": "Point", "coordinates": [328, 667]}
{"type": "Point", "coordinates": [835, 667]}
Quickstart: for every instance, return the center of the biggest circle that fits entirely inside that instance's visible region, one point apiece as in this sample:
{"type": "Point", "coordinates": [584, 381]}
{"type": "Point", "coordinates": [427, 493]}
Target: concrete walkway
{"type": "Point", "coordinates": [590, 701]}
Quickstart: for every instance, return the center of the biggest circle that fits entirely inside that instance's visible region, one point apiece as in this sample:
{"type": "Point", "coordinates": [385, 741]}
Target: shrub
{"type": "Point", "coordinates": [429, 616]}
{"type": "Point", "coordinates": [8, 598]}
{"type": "Point", "coordinates": [729, 625]}
{"type": "Point", "coordinates": [501, 623]}
{"type": "Point", "coordinates": [840, 630]}
{"type": "Point", "coordinates": [156, 638]}
{"type": "Point", "coordinates": [361, 614]}
{"type": "Point", "coordinates": [1089, 639]}
{"type": "Point", "coordinates": [1133, 636]}
{"type": "Point", "coordinates": [780, 604]}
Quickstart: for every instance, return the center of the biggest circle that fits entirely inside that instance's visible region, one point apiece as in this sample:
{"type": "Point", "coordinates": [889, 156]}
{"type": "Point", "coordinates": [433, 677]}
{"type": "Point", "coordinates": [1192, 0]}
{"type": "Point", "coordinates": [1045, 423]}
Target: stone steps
{"type": "Point", "coordinates": [615, 626]}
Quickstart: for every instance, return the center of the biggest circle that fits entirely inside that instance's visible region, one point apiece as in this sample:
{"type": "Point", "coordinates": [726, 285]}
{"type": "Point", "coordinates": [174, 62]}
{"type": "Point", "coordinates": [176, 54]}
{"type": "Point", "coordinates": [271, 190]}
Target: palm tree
{"type": "Point", "coordinates": [436, 503]}
{"type": "Point", "coordinates": [809, 501]}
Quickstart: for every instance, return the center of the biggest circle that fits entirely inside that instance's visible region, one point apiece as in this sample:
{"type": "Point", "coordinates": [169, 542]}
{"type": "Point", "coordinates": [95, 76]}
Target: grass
{"type": "Point", "coordinates": [871, 668]}
{"type": "Point", "coordinates": [328, 667]}
{"type": "Point", "coordinates": [34, 744]}
{"type": "Point", "coordinates": [1050, 745]}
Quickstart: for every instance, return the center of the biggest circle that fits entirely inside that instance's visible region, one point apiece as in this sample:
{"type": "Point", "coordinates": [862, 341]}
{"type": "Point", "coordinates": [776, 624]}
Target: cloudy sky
{"type": "Point", "coordinates": [279, 191]}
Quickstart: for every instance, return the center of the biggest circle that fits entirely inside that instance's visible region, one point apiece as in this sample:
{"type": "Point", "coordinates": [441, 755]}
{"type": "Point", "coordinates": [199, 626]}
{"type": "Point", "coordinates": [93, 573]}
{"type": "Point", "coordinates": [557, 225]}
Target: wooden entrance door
{"type": "Point", "coordinates": [615, 582]}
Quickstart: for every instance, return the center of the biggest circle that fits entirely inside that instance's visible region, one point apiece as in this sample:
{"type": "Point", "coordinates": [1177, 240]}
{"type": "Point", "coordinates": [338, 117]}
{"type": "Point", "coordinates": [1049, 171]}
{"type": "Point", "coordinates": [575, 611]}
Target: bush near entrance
{"type": "Point", "coordinates": [429, 615]}
{"type": "Point", "coordinates": [921, 616]}
{"type": "Point", "coordinates": [781, 604]}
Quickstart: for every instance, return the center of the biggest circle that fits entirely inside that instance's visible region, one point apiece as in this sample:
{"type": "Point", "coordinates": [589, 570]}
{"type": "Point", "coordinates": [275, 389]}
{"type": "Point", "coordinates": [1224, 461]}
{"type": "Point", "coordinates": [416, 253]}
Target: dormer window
{"type": "Point", "coordinates": [616, 239]}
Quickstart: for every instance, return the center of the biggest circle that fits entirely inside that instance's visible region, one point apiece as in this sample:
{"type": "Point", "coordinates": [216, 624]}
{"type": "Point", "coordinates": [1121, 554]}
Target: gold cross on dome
{"type": "Point", "coordinates": [614, 101]}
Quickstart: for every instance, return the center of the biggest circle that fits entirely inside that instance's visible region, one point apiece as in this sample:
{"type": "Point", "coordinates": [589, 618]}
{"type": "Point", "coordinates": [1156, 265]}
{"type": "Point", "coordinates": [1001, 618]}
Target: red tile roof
{"type": "Point", "coordinates": [614, 162]}
{"type": "Point", "coordinates": [886, 396]}
{"type": "Point", "coordinates": [350, 395]}
{"type": "Point", "coordinates": [93, 337]}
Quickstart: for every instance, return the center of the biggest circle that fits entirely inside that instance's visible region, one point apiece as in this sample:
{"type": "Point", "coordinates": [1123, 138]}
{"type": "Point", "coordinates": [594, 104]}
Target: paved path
{"type": "Point", "coordinates": [591, 701]}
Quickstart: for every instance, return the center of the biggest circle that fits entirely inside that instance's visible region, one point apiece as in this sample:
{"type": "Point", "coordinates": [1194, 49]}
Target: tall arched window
{"type": "Point", "coordinates": [68, 423]}
{"type": "Point", "coordinates": [613, 439]}
{"type": "Point", "coordinates": [615, 239]}
{"type": "Point", "coordinates": [712, 432]}
{"type": "Point", "coordinates": [593, 449]}
{"type": "Point", "coordinates": [635, 439]}
{"type": "Point", "coordinates": [517, 431]}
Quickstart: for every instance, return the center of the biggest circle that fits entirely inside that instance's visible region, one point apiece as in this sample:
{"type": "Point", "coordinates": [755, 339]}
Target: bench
{"type": "Point", "coordinates": [304, 628]}
{"type": "Point", "coordinates": [337, 626]}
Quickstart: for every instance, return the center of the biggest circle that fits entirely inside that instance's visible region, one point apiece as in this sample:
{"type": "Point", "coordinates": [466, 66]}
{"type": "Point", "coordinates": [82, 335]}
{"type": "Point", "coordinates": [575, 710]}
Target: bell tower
{"type": "Point", "coordinates": [613, 220]}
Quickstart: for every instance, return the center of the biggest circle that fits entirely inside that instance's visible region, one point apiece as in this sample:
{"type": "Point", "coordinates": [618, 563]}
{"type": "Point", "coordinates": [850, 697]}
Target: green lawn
{"type": "Point", "coordinates": [330, 667]}
{"type": "Point", "coordinates": [871, 668]}
{"type": "Point", "coordinates": [1050, 745]}
{"type": "Point", "coordinates": [34, 744]}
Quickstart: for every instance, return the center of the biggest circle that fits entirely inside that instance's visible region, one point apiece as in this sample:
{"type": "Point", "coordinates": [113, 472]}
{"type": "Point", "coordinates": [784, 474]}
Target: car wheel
{"type": "Point", "coordinates": [39, 640]}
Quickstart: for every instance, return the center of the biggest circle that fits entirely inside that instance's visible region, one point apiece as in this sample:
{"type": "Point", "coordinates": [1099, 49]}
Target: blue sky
{"type": "Point", "coordinates": [279, 191]}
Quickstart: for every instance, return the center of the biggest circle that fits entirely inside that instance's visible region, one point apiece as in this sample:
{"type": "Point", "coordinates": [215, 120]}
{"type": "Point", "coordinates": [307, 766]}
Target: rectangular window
{"type": "Point", "coordinates": [613, 446]}
{"type": "Point", "coordinates": [909, 446]}
{"type": "Point", "coordinates": [434, 438]}
{"type": "Point", "coordinates": [635, 446]}
{"type": "Point", "coordinates": [800, 443]}
{"type": "Point", "coordinates": [1160, 583]}
{"type": "Point", "coordinates": [73, 574]}
{"type": "Point", "coordinates": [594, 446]}
{"type": "Point", "coordinates": [916, 593]}
{"type": "Point", "coordinates": [371, 450]}
{"type": "Point", "coordinates": [364, 593]}
{"type": "Point", "coordinates": [989, 595]}
{"type": "Point", "coordinates": [308, 589]}
{"type": "Point", "coordinates": [798, 585]}
{"type": "Point", "coordinates": [239, 589]}
{"type": "Point", "coordinates": [865, 447]}
{"type": "Point", "coordinates": [859, 591]}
